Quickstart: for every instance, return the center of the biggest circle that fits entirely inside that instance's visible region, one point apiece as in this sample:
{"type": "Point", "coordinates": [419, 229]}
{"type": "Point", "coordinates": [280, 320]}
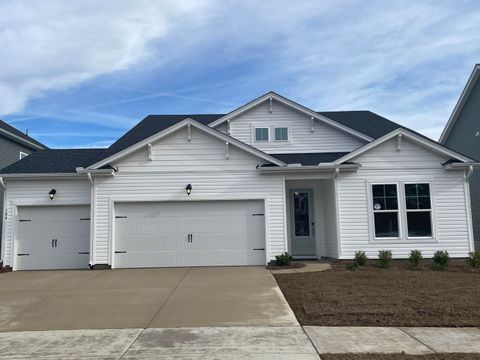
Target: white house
{"type": "Point", "coordinates": [238, 189]}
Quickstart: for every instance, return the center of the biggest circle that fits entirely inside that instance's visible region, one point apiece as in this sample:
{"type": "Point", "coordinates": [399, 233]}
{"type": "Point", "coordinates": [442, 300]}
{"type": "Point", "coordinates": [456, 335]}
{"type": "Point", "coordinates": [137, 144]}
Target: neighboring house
{"type": "Point", "coordinates": [462, 133]}
{"type": "Point", "coordinates": [14, 145]}
{"type": "Point", "coordinates": [237, 189]}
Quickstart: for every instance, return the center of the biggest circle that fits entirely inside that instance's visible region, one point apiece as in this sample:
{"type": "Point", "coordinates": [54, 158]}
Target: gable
{"type": "Point", "coordinates": [176, 153]}
{"type": "Point", "coordinates": [411, 155]}
{"type": "Point", "coordinates": [464, 135]}
{"type": "Point", "coordinates": [323, 138]}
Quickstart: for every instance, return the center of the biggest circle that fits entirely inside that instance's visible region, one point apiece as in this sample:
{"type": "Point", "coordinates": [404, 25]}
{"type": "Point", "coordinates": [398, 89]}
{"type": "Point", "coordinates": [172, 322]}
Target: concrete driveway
{"type": "Point", "coordinates": [141, 298]}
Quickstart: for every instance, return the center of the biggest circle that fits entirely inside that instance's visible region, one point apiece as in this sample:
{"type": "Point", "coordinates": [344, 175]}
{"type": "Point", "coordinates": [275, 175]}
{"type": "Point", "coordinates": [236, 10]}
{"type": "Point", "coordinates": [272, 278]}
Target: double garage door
{"type": "Point", "coordinates": [149, 234]}
{"type": "Point", "coordinates": [206, 233]}
{"type": "Point", "coordinates": [53, 237]}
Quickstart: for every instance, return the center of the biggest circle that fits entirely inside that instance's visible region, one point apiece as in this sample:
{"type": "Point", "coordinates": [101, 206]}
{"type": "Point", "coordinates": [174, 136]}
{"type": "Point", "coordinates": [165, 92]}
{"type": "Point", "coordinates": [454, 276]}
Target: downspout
{"type": "Point", "coordinates": [468, 173]}
{"type": "Point", "coordinates": [92, 219]}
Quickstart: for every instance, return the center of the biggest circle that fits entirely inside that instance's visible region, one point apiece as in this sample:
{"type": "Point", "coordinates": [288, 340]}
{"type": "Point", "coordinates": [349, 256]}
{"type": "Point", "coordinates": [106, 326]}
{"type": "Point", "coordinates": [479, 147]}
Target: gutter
{"type": "Point", "coordinates": [90, 172]}
{"type": "Point", "coordinates": [24, 141]}
{"type": "Point", "coordinates": [462, 165]}
{"type": "Point", "coordinates": [309, 168]}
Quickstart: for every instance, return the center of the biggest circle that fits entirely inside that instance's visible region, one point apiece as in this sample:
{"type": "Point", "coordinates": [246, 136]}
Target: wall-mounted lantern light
{"type": "Point", "coordinates": [188, 189]}
{"type": "Point", "coordinates": [52, 193]}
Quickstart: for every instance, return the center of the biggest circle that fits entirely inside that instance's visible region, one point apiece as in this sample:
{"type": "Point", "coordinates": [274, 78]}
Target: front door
{"type": "Point", "coordinates": [302, 228]}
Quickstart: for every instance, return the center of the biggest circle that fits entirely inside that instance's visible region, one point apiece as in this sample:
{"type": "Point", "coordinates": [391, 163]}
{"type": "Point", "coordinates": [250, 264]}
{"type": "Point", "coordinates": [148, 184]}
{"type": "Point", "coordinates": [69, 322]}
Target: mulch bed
{"type": "Point", "coordinates": [371, 296]}
{"type": "Point", "coordinates": [293, 265]}
{"type": "Point", "coordinates": [451, 356]}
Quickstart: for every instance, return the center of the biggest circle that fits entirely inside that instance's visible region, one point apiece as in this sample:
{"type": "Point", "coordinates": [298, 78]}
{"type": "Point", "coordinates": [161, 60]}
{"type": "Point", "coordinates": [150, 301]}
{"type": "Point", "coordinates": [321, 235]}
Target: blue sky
{"type": "Point", "coordinates": [80, 74]}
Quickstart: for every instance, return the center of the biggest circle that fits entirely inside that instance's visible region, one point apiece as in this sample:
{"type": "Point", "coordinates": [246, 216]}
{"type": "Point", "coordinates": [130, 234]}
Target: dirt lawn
{"type": "Point", "coordinates": [372, 296]}
{"type": "Point", "coordinates": [400, 357]}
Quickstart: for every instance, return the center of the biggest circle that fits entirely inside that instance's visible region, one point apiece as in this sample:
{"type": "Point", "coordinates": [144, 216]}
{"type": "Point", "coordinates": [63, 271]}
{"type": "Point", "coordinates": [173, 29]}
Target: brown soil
{"type": "Point", "coordinates": [293, 265]}
{"type": "Point", "coordinates": [452, 356]}
{"type": "Point", "coordinates": [371, 296]}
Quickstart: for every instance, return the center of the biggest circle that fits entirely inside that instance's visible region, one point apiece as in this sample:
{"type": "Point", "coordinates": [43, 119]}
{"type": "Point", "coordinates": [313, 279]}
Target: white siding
{"type": "Point", "coordinates": [35, 192]}
{"type": "Point", "coordinates": [177, 162]}
{"type": "Point", "coordinates": [324, 138]}
{"type": "Point", "coordinates": [413, 163]}
{"type": "Point", "coordinates": [331, 236]}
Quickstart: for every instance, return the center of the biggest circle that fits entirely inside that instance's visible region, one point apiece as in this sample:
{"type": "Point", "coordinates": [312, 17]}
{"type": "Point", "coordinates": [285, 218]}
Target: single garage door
{"type": "Point", "coordinates": [207, 233]}
{"type": "Point", "coordinates": [53, 237]}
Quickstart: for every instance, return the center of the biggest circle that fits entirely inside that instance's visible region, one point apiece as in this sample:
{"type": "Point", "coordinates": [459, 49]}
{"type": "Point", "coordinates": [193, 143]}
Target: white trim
{"type": "Point", "coordinates": [409, 135]}
{"type": "Point", "coordinates": [255, 134]}
{"type": "Point", "coordinates": [308, 168]}
{"type": "Point", "coordinates": [275, 132]}
{"type": "Point", "coordinates": [371, 213]}
{"type": "Point", "coordinates": [20, 157]}
{"type": "Point", "coordinates": [16, 137]}
{"type": "Point", "coordinates": [337, 219]}
{"type": "Point", "coordinates": [472, 80]}
{"type": "Point", "coordinates": [431, 210]}
{"type": "Point", "coordinates": [119, 155]}
{"type": "Point", "coordinates": [170, 198]}
{"type": "Point", "coordinates": [283, 100]}
{"type": "Point", "coordinates": [4, 214]}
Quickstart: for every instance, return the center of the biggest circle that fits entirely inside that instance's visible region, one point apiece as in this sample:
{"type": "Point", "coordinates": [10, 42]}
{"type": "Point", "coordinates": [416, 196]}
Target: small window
{"type": "Point", "coordinates": [281, 134]}
{"type": "Point", "coordinates": [261, 134]}
{"type": "Point", "coordinates": [419, 210]}
{"type": "Point", "coordinates": [385, 210]}
{"type": "Point", "coordinates": [22, 155]}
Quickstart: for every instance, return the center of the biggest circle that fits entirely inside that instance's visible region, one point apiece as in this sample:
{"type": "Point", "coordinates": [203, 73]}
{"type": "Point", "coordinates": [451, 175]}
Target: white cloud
{"type": "Point", "coordinates": [53, 45]}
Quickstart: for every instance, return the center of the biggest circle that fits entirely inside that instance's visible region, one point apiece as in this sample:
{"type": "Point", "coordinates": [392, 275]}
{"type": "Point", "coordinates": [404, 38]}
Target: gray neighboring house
{"type": "Point", "coordinates": [14, 145]}
{"type": "Point", "coordinates": [462, 134]}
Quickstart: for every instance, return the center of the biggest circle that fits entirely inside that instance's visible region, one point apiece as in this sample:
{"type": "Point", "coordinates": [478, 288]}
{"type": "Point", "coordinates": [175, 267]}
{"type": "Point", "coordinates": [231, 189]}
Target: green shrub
{"type": "Point", "coordinates": [361, 258]}
{"type": "Point", "coordinates": [414, 259]}
{"type": "Point", "coordinates": [474, 259]}
{"type": "Point", "coordinates": [353, 265]}
{"type": "Point", "coordinates": [384, 258]}
{"type": "Point", "coordinates": [441, 259]}
{"type": "Point", "coordinates": [283, 259]}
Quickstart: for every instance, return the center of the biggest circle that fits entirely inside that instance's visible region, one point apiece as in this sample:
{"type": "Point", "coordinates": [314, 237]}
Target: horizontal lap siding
{"type": "Point", "coordinates": [324, 138]}
{"type": "Point", "coordinates": [35, 192]}
{"type": "Point", "coordinates": [177, 162]}
{"type": "Point", "coordinates": [412, 164]}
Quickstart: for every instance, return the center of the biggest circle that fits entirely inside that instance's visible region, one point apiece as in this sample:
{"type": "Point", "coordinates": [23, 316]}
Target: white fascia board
{"type": "Point", "coordinates": [462, 165]}
{"type": "Point", "coordinates": [39, 175]}
{"type": "Point", "coordinates": [472, 80]}
{"type": "Point", "coordinates": [310, 168]}
{"type": "Point", "coordinates": [106, 172]}
{"type": "Point", "coordinates": [287, 102]}
{"type": "Point", "coordinates": [16, 137]}
{"type": "Point", "coordinates": [171, 129]}
{"type": "Point", "coordinates": [430, 144]}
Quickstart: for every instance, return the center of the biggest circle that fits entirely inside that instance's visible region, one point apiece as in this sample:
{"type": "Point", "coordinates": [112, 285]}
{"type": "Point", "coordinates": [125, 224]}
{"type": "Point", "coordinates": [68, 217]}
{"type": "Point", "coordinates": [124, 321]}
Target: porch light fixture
{"type": "Point", "coordinates": [188, 189]}
{"type": "Point", "coordinates": [52, 193]}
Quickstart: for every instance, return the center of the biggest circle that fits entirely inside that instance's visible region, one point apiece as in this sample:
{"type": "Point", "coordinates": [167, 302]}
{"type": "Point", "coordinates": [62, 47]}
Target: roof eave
{"type": "Point", "coordinates": [22, 140]}
{"type": "Point", "coordinates": [472, 80]}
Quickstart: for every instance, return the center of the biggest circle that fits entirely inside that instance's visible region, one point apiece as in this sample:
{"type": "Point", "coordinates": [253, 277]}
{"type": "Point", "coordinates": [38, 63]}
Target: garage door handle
{"type": "Point", "coordinates": [259, 249]}
{"type": "Point", "coordinates": [120, 252]}
{"type": "Point", "coordinates": [23, 254]}
{"type": "Point", "coordinates": [83, 253]}
{"type": "Point", "coordinates": [53, 242]}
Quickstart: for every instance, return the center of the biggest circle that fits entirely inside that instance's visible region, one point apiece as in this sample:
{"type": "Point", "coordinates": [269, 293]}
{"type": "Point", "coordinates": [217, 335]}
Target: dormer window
{"type": "Point", "coordinates": [261, 134]}
{"type": "Point", "coordinates": [281, 134]}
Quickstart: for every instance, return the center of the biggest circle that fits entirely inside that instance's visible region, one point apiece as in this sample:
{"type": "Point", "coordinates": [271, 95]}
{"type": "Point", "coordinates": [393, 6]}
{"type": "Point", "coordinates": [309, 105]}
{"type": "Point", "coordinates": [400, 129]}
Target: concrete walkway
{"type": "Point", "coordinates": [264, 343]}
{"type": "Point", "coordinates": [414, 340]}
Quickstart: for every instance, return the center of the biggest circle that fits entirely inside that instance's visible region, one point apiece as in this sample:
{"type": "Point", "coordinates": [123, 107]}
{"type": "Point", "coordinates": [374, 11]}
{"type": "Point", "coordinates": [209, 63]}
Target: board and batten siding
{"type": "Point", "coordinates": [413, 163]}
{"type": "Point", "coordinates": [35, 192]}
{"type": "Point", "coordinates": [176, 162]}
{"type": "Point", "coordinates": [324, 138]}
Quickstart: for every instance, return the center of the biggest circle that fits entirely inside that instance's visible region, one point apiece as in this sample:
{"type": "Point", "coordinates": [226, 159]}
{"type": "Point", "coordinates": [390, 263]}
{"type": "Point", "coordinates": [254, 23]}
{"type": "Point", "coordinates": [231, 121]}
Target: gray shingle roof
{"type": "Point", "coordinates": [58, 161]}
{"type": "Point", "coordinates": [309, 158]}
{"type": "Point", "coordinates": [12, 130]}
{"type": "Point", "coordinates": [54, 161]}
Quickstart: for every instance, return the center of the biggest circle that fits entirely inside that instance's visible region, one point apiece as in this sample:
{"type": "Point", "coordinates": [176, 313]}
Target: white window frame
{"type": "Point", "coordinates": [22, 155]}
{"type": "Point", "coordinates": [372, 212]}
{"type": "Point", "coordinates": [281, 127]}
{"type": "Point", "coordinates": [255, 134]}
{"type": "Point", "coordinates": [432, 222]}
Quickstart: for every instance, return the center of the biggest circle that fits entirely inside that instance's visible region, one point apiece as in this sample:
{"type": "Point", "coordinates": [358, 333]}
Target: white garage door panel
{"type": "Point", "coordinates": [39, 226]}
{"type": "Point", "coordinates": [156, 234]}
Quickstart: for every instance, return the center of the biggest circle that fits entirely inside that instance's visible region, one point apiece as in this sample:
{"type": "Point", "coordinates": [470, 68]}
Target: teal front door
{"type": "Point", "coordinates": [302, 223]}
